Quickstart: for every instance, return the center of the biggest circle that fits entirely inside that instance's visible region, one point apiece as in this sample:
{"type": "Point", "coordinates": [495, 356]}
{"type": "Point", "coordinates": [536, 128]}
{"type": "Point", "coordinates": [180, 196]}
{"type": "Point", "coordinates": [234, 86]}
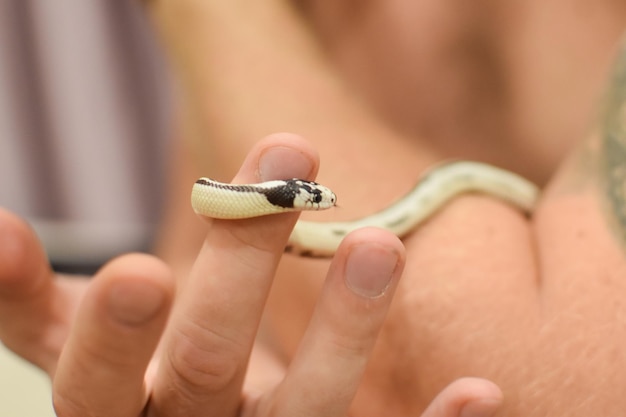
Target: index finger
{"type": "Point", "coordinates": [220, 305]}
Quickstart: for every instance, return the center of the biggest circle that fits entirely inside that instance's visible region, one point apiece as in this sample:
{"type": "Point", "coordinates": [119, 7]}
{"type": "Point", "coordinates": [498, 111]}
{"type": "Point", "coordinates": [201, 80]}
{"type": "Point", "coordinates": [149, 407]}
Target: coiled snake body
{"type": "Point", "coordinates": [437, 187]}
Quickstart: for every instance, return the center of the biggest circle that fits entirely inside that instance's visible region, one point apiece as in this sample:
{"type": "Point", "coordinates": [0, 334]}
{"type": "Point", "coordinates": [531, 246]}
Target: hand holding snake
{"type": "Point", "coordinates": [98, 337]}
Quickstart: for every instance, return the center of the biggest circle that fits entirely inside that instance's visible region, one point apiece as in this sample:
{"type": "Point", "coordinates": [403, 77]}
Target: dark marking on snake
{"type": "Point", "coordinates": [309, 187]}
{"type": "Point", "coordinates": [316, 195]}
{"type": "Point", "coordinates": [397, 221]}
{"type": "Point", "coordinates": [338, 232]}
{"type": "Point", "coordinates": [234, 187]}
{"type": "Point", "coordinates": [306, 253]}
{"type": "Point", "coordinates": [613, 136]}
{"type": "Point", "coordinates": [311, 254]}
{"type": "Point", "coordinates": [284, 195]}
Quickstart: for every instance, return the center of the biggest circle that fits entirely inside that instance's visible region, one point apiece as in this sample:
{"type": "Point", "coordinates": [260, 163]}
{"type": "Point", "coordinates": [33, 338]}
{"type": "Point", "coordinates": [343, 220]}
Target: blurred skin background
{"type": "Point", "coordinates": [89, 79]}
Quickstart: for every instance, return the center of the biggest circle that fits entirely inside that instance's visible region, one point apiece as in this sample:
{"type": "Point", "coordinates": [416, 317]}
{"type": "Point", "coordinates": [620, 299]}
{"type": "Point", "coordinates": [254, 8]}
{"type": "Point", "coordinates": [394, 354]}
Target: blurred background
{"type": "Point", "coordinates": [83, 124]}
{"type": "Point", "coordinates": [84, 104]}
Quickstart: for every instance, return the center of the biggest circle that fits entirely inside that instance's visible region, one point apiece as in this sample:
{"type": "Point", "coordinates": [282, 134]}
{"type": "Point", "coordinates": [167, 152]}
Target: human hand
{"type": "Point", "coordinates": [111, 350]}
{"type": "Point", "coordinates": [535, 305]}
{"type": "Point", "coordinates": [523, 121]}
{"type": "Point", "coordinates": [543, 298]}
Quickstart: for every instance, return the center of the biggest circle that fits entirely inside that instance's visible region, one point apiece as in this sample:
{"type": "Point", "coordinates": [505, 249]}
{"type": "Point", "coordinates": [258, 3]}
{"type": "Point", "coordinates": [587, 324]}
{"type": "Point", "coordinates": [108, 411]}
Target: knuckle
{"type": "Point", "coordinates": [65, 406]}
{"type": "Point", "coordinates": [345, 347]}
{"type": "Point", "coordinates": [344, 342]}
{"type": "Point", "coordinates": [261, 241]}
{"type": "Point", "coordinates": [210, 363]}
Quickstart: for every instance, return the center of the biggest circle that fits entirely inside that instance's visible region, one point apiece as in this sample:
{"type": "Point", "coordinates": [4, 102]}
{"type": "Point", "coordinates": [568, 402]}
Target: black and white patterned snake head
{"type": "Point", "coordinates": [310, 195]}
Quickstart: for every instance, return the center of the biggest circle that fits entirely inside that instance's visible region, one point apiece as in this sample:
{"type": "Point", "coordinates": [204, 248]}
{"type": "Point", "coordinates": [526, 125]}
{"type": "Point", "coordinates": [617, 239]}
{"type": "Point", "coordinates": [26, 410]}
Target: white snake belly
{"type": "Point", "coordinates": [439, 185]}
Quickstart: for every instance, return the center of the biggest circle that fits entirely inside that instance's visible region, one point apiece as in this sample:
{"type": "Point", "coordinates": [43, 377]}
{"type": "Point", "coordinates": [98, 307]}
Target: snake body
{"type": "Point", "coordinates": [231, 201]}
{"type": "Point", "coordinates": [437, 187]}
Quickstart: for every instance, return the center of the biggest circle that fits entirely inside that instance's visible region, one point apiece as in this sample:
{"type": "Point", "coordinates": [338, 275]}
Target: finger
{"type": "Point", "coordinates": [325, 373]}
{"type": "Point", "coordinates": [466, 397]}
{"type": "Point", "coordinates": [222, 300]}
{"type": "Point", "coordinates": [29, 302]}
{"type": "Point", "coordinates": [102, 367]}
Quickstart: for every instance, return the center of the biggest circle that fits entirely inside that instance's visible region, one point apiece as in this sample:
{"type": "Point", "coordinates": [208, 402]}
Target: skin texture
{"type": "Point", "coordinates": [534, 305]}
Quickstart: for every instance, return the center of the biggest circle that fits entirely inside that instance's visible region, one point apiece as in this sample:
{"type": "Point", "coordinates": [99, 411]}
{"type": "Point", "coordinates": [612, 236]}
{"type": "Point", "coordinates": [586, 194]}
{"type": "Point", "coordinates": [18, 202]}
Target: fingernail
{"type": "Point", "coordinates": [283, 162]}
{"type": "Point", "coordinates": [480, 408]}
{"type": "Point", "coordinates": [369, 269]}
{"type": "Point", "coordinates": [134, 303]}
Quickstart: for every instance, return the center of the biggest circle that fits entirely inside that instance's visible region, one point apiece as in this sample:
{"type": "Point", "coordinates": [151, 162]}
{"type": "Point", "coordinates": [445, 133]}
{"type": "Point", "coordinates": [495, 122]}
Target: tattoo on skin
{"type": "Point", "coordinates": [613, 137]}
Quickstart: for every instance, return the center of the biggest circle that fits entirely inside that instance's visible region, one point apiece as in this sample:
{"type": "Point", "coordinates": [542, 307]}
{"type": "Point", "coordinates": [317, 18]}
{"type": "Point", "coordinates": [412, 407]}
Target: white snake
{"type": "Point", "coordinates": [438, 186]}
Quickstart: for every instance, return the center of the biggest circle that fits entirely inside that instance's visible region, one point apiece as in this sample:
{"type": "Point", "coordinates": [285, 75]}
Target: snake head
{"type": "Point", "coordinates": [312, 196]}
